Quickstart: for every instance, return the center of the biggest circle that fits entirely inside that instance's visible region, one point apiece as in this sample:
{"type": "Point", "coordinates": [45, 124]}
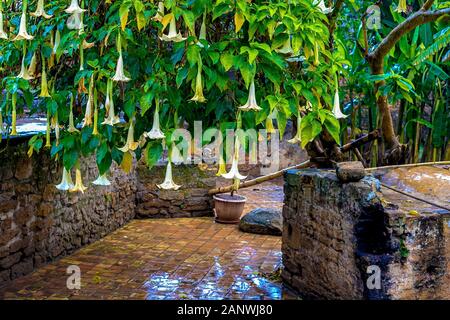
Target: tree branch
{"type": "Point", "coordinates": [427, 5]}
{"type": "Point", "coordinates": [420, 17]}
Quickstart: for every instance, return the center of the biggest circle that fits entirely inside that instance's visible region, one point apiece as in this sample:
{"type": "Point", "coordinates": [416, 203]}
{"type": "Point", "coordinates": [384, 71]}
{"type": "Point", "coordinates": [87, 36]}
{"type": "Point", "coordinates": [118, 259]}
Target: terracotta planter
{"type": "Point", "coordinates": [228, 209]}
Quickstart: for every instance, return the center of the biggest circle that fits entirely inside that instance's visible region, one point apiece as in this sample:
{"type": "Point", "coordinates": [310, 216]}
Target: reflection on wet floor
{"type": "Point", "coordinates": [189, 258]}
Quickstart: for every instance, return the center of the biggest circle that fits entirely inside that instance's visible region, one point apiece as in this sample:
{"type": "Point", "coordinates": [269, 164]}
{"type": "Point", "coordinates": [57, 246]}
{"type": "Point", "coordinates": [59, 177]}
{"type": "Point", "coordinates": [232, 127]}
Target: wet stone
{"type": "Point", "coordinates": [262, 221]}
{"type": "Point", "coordinates": [351, 171]}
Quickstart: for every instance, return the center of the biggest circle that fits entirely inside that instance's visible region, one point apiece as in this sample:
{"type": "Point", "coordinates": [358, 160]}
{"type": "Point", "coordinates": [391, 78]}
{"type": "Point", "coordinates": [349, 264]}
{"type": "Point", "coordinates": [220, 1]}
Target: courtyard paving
{"type": "Point", "coordinates": [188, 258]}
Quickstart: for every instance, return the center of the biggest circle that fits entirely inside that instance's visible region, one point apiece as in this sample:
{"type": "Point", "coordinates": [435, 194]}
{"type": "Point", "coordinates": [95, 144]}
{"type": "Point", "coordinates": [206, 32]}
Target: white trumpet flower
{"type": "Point", "coordinates": [175, 156]}
{"type": "Point", "coordinates": [160, 14]}
{"type": "Point", "coordinates": [71, 122]}
{"type": "Point", "coordinates": [120, 74]}
{"type": "Point", "coordinates": [168, 183]}
{"type": "Point", "coordinates": [321, 5]}
{"type": "Point", "coordinates": [66, 182]}
{"type": "Point", "coordinates": [74, 8]}
{"type": "Point", "coordinates": [78, 187]}
{"type": "Point", "coordinates": [156, 132]}
{"type": "Point", "coordinates": [23, 34]}
{"type": "Point", "coordinates": [57, 41]}
{"type": "Point", "coordinates": [24, 71]}
{"type": "Point", "coordinates": [102, 180]}
{"type": "Point", "coordinates": [202, 35]}
{"type": "Point", "coordinates": [297, 138]}
{"type": "Point", "coordinates": [251, 102]}
{"type": "Point", "coordinates": [112, 119]}
{"type": "Point", "coordinates": [74, 22]}
{"type": "Point", "coordinates": [173, 35]}
{"type": "Point", "coordinates": [130, 144]}
{"type": "Point", "coordinates": [40, 11]}
{"type": "Point", "coordinates": [90, 104]}
{"type": "Point", "coordinates": [336, 108]}
{"type": "Point", "coordinates": [3, 34]}
{"type": "Point", "coordinates": [286, 48]}
{"type": "Point", "coordinates": [234, 171]}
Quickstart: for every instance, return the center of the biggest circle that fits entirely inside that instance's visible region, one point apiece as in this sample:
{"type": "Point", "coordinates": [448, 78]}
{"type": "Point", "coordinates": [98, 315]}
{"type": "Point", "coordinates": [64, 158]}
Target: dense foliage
{"type": "Point", "coordinates": [180, 61]}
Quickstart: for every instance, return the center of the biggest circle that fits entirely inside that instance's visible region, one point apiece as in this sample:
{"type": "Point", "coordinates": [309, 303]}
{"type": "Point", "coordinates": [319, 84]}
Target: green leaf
{"type": "Point", "coordinates": [333, 128]}
{"type": "Point", "coordinates": [154, 152]}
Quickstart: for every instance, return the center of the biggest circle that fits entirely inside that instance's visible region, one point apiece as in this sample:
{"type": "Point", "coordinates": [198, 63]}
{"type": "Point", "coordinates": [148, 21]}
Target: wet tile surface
{"type": "Point", "coordinates": [189, 258]}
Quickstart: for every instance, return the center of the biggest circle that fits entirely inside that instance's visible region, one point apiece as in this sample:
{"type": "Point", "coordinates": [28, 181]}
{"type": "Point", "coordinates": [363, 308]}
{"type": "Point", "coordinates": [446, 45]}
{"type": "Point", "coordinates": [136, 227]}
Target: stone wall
{"type": "Point", "coordinates": [191, 200]}
{"type": "Point", "coordinates": [333, 232]}
{"type": "Point", "coordinates": [38, 223]}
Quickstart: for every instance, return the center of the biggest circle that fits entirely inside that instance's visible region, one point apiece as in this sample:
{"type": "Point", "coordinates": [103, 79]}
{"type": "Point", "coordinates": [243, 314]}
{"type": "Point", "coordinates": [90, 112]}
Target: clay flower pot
{"type": "Point", "coordinates": [228, 209]}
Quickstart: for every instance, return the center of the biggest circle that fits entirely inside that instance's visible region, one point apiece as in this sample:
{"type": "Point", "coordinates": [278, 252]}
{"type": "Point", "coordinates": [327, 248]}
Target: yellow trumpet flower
{"type": "Point", "coordinates": [57, 41]}
{"type": "Point", "coordinates": [66, 182]}
{"type": "Point", "coordinates": [173, 35]}
{"type": "Point", "coordinates": [198, 96]}
{"type": "Point", "coordinates": [168, 183]}
{"type": "Point", "coordinates": [40, 11]}
{"type": "Point", "coordinates": [78, 187]}
{"type": "Point", "coordinates": [251, 102]}
{"type": "Point", "coordinates": [269, 124]}
{"type": "Point", "coordinates": [112, 119]}
{"type": "Point", "coordinates": [222, 167]}
{"type": "Point", "coordinates": [23, 70]}
{"type": "Point", "coordinates": [95, 131]}
{"type": "Point", "coordinates": [44, 84]}
{"type": "Point", "coordinates": [14, 115]}
{"type": "Point", "coordinates": [402, 7]}
{"type": "Point", "coordinates": [32, 67]}
{"type": "Point", "coordinates": [130, 144]}
{"type": "Point", "coordinates": [48, 131]}
{"type": "Point", "coordinates": [156, 132]}
{"type": "Point", "coordinates": [120, 74]}
{"type": "Point", "coordinates": [71, 122]}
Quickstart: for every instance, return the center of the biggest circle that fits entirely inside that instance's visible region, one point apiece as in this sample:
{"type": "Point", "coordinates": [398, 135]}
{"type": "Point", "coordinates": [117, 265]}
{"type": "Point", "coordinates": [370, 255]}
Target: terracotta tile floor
{"type": "Point", "coordinates": [189, 258]}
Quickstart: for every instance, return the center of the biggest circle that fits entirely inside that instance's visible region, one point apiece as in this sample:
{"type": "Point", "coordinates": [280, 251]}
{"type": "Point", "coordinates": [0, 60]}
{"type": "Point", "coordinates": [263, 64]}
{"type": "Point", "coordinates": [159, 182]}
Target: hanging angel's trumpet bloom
{"type": "Point", "coordinates": [14, 115]}
{"type": "Point", "coordinates": [74, 22]}
{"type": "Point", "coordinates": [172, 35]}
{"type": "Point", "coordinates": [23, 34]}
{"type": "Point", "coordinates": [32, 67]}
{"type": "Point", "coordinates": [75, 8]}
{"type": "Point", "coordinates": [112, 119]}
{"type": "Point", "coordinates": [23, 70]}
{"type": "Point", "coordinates": [222, 167]}
{"type": "Point", "coordinates": [102, 180]}
{"type": "Point", "coordinates": [198, 96]}
{"type": "Point", "coordinates": [251, 102]}
{"type": "Point", "coordinates": [269, 124]}
{"type": "Point", "coordinates": [160, 14]}
{"type": "Point", "coordinates": [321, 5]}
{"type": "Point", "coordinates": [40, 12]}
{"type": "Point", "coordinates": [130, 144]}
{"type": "Point", "coordinates": [81, 86]}
{"type": "Point", "coordinates": [316, 54]}
{"type": "Point", "coordinates": [78, 187]}
{"type": "Point", "coordinates": [168, 183]}
{"type": "Point", "coordinates": [286, 48]}
{"type": "Point", "coordinates": [156, 132]}
{"type": "Point", "coordinates": [3, 34]}
{"type": "Point", "coordinates": [87, 45]}
{"type": "Point", "coordinates": [402, 7]}
{"type": "Point", "coordinates": [48, 143]}
{"type": "Point", "coordinates": [71, 122]}
{"type": "Point", "coordinates": [297, 138]}
{"type": "Point", "coordinates": [44, 84]}
{"type": "Point", "coordinates": [120, 74]}
{"type": "Point", "coordinates": [55, 125]}
{"type": "Point", "coordinates": [175, 155]}
{"type": "Point", "coordinates": [90, 104]}
{"type": "Point", "coordinates": [336, 107]}
{"type": "Point", "coordinates": [202, 35]}
{"type": "Point", "coordinates": [66, 182]}
{"type": "Point", "coordinates": [95, 131]}
{"type": "Point", "coordinates": [234, 171]}
{"type": "Point", "coordinates": [57, 41]}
